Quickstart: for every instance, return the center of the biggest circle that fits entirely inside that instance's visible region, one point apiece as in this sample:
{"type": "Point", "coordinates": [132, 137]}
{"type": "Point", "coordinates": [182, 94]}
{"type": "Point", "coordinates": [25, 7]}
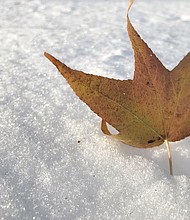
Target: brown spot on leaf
{"type": "Point", "coordinates": [150, 141]}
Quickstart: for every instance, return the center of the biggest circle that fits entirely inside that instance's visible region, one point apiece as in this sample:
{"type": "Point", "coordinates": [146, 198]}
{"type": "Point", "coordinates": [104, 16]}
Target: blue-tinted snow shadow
{"type": "Point", "coordinates": [180, 156]}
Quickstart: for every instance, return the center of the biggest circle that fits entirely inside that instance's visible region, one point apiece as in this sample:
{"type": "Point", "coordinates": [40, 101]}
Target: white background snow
{"type": "Point", "coordinates": [55, 163]}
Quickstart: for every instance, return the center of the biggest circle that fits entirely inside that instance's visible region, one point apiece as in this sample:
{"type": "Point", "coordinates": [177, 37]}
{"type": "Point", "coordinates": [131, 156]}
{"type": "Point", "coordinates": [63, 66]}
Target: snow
{"type": "Point", "coordinates": [55, 163]}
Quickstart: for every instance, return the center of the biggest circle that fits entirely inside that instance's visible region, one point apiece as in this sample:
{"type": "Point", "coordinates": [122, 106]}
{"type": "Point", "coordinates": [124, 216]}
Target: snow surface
{"type": "Point", "coordinates": [55, 163]}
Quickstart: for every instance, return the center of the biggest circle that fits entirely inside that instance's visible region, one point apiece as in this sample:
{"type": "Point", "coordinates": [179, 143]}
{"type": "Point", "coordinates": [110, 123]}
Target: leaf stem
{"type": "Point", "coordinates": [169, 157]}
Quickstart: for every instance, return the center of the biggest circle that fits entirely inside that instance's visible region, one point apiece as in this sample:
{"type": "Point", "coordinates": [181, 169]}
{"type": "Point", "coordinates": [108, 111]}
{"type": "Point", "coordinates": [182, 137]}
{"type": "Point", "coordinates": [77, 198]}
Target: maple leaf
{"type": "Point", "coordinates": [150, 109]}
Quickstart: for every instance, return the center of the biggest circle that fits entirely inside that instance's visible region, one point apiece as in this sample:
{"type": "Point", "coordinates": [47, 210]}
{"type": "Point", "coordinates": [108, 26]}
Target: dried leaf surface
{"type": "Point", "coordinates": [147, 110]}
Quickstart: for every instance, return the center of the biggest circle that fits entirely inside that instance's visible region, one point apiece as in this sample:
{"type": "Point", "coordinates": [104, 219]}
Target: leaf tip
{"type": "Point", "coordinates": [51, 58]}
{"type": "Point", "coordinates": [129, 6]}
